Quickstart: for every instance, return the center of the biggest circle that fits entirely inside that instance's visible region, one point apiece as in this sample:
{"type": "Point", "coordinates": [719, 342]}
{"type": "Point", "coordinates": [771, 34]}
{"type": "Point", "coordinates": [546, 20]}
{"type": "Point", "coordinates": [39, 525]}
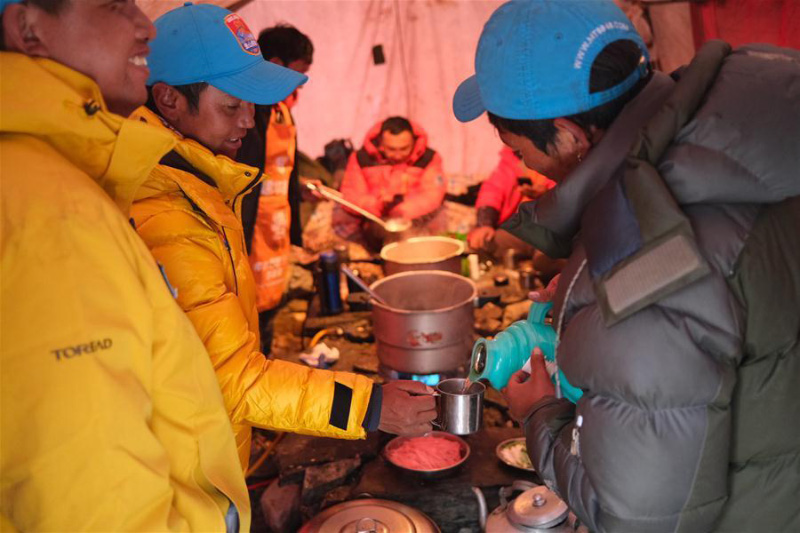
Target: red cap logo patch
{"type": "Point", "coordinates": [243, 34]}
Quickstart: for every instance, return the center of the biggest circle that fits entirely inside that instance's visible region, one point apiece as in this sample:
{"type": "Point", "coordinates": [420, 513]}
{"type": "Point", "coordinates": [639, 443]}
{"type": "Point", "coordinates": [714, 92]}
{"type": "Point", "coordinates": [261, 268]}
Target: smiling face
{"type": "Point", "coordinates": [396, 147]}
{"type": "Point", "coordinates": [103, 39]}
{"type": "Point", "coordinates": [219, 122]}
{"type": "Point", "coordinates": [559, 160]}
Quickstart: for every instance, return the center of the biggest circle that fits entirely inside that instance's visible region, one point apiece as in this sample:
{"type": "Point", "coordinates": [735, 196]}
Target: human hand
{"type": "Point", "coordinates": [524, 390]}
{"type": "Point", "coordinates": [408, 408]}
{"type": "Point", "coordinates": [479, 237]}
{"type": "Point", "coordinates": [547, 294]}
{"type": "Point", "coordinates": [310, 189]}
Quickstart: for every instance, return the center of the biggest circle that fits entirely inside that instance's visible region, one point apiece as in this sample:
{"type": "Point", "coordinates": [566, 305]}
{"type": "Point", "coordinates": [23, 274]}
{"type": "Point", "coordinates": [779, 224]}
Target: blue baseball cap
{"type": "Point", "coordinates": [206, 43]}
{"type": "Point", "coordinates": [535, 57]}
{"type": "Point", "coordinates": [4, 3]}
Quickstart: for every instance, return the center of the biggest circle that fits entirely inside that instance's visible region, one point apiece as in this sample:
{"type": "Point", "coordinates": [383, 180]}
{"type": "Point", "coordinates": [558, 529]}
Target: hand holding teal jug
{"type": "Point", "coordinates": [497, 359]}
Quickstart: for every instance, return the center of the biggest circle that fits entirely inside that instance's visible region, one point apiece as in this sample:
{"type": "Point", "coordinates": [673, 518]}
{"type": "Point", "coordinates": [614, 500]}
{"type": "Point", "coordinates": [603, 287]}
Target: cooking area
{"type": "Point", "coordinates": [424, 327]}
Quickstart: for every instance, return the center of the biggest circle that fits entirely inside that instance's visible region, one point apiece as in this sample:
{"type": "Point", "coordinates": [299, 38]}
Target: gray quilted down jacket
{"type": "Point", "coordinates": [679, 307]}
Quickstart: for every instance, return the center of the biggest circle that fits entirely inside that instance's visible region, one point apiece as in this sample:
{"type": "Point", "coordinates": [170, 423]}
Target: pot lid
{"type": "Point", "coordinates": [370, 516]}
{"type": "Point", "coordinates": [538, 507]}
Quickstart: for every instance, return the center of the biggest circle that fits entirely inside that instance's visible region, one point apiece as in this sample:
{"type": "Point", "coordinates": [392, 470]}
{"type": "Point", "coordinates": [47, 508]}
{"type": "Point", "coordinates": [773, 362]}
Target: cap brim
{"type": "Point", "coordinates": [263, 83]}
{"type": "Point", "coordinates": [467, 102]}
{"type": "Point", "coordinates": [4, 3]}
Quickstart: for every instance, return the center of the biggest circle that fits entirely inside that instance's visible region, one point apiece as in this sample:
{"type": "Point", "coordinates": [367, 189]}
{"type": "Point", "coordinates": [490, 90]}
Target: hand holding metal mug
{"type": "Point", "coordinates": [408, 408]}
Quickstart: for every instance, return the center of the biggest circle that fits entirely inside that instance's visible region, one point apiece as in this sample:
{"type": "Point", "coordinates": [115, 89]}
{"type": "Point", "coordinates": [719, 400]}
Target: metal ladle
{"type": "Point", "coordinates": [361, 283]}
{"type": "Point", "coordinates": [394, 225]}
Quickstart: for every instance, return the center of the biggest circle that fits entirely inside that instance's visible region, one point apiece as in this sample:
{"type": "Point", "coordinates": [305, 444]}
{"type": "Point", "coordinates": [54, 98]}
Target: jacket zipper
{"type": "Point", "coordinates": [225, 235]}
{"type": "Point", "coordinates": [233, 263]}
{"type": "Point", "coordinates": [575, 447]}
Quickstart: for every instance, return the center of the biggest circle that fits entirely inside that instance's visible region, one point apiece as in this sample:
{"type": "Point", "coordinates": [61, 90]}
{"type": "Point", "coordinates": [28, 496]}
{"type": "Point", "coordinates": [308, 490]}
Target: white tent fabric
{"type": "Point", "coordinates": [429, 47]}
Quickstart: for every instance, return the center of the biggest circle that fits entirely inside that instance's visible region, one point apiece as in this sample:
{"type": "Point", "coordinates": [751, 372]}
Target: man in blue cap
{"type": "Point", "coordinates": [678, 311]}
{"type": "Point", "coordinates": [112, 418]}
{"type": "Point", "coordinates": [206, 73]}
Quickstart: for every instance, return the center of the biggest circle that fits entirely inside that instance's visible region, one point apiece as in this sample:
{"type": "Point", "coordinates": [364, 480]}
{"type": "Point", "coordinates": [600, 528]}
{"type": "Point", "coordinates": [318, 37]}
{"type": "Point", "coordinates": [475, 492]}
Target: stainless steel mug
{"type": "Point", "coordinates": [458, 411]}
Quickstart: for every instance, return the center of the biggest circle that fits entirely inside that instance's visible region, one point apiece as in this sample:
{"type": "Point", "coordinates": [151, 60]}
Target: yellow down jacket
{"type": "Point", "coordinates": [189, 214]}
{"type": "Point", "coordinates": [112, 419]}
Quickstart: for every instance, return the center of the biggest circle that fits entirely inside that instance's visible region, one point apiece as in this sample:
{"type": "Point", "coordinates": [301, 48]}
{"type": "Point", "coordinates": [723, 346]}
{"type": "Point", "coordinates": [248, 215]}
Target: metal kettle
{"type": "Point", "coordinates": [536, 510]}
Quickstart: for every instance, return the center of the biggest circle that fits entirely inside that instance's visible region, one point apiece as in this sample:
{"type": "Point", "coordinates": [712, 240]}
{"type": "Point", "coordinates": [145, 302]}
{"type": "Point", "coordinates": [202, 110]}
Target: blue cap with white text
{"type": "Point", "coordinates": [534, 59]}
{"type": "Point", "coordinates": [206, 43]}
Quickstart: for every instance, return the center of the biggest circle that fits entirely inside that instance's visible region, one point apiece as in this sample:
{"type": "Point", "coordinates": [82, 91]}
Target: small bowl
{"type": "Point", "coordinates": [501, 452]}
{"type": "Point", "coordinates": [439, 472]}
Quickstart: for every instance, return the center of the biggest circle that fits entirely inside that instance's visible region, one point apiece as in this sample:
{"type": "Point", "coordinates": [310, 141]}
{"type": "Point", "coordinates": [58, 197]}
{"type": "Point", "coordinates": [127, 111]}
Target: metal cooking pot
{"type": "Point", "coordinates": [370, 516]}
{"type": "Point", "coordinates": [423, 253]}
{"type": "Point", "coordinates": [425, 327]}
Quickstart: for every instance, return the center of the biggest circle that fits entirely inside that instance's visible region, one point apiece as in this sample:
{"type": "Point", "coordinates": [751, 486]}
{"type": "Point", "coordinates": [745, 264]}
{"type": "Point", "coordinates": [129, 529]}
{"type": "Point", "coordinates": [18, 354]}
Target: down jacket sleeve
{"type": "Point", "coordinates": [652, 447]}
{"type": "Point", "coordinates": [497, 188]}
{"type": "Point", "coordinates": [259, 392]}
{"type": "Point", "coordinates": [426, 194]}
{"type": "Point", "coordinates": [355, 188]}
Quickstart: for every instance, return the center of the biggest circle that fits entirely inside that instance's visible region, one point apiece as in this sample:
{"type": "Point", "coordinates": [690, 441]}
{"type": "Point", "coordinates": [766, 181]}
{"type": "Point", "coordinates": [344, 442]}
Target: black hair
{"type": "Point", "coordinates": [396, 125]}
{"type": "Point", "coordinates": [48, 6]}
{"type": "Point", "coordinates": [191, 91]}
{"type": "Point", "coordinates": [287, 43]}
{"type": "Point", "coordinates": [610, 68]}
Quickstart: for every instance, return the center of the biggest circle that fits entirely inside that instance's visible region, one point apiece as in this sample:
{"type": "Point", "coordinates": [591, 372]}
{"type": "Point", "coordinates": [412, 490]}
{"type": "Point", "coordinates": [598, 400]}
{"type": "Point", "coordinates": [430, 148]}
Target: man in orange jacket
{"type": "Point", "coordinates": [188, 213]}
{"type": "Point", "coordinates": [395, 175]}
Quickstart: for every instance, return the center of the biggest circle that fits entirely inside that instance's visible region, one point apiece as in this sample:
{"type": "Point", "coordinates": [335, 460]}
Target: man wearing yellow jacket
{"type": "Point", "coordinates": [206, 73]}
{"type": "Point", "coordinates": [112, 419]}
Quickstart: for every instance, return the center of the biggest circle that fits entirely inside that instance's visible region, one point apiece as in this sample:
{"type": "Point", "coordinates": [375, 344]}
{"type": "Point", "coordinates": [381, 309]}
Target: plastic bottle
{"type": "Point", "coordinates": [497, 359]}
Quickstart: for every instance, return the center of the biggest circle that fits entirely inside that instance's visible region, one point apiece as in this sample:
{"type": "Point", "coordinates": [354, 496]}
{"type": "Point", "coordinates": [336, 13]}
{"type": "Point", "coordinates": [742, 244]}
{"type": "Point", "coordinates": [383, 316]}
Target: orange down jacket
{"type": "Point", "coordinates": [371, 182]}
{"type": "Point", "coordinates": [188, 213]}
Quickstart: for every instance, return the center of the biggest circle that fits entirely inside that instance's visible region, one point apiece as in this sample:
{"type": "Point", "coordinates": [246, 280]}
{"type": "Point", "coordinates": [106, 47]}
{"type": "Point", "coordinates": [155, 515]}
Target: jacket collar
{"type": "Point", "coordinates": [65, 109]}
{"type": "Point", "coordinates": [552, 222]}
{"type": "Point", "coordinates": [212, 183]}
{"type": "Point", "coordinates": [232, 179]}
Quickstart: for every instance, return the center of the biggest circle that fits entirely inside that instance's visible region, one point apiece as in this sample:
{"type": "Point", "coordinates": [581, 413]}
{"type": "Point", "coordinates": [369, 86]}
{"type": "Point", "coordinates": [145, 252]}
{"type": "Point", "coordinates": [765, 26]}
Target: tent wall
{"type": "Point", "coordinates": [429, 47]}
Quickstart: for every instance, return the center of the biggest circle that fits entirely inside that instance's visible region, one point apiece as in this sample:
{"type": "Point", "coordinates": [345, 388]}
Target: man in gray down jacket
{"type": "Point", "coordinates": [678, 312]}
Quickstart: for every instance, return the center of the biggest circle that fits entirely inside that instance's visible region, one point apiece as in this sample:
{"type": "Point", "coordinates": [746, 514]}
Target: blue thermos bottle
{"type": "Point", "coordinates": [497, 359]}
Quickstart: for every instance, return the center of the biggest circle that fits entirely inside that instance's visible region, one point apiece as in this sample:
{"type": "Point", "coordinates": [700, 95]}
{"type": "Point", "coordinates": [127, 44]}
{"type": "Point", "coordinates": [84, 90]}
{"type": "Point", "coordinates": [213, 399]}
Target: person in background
{"type": "Point", "coordinates": [188, 212]}
{"type": "Point", "coordinates": [678, 206]}
{"type": "Point", "coordinates": [510, 184]}
{"type": "Point", "coordinates": [395, 175]}
{"type": "Point", "coordinates": [272, 146]}
{"type": "Point", "coordinates": [112, 418]}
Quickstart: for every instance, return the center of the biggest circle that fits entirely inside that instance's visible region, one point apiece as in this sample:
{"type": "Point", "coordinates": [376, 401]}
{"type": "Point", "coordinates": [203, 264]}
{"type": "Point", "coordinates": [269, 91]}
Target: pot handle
{"type": "Point", "coordinates": [539, 311]}
{"type": "Point", "coordinates": [482, 509]}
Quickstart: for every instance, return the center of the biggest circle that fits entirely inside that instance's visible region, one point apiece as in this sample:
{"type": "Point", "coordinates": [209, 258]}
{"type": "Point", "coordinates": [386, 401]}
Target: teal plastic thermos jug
{"type": "Point", "coordinates": [497, 359]}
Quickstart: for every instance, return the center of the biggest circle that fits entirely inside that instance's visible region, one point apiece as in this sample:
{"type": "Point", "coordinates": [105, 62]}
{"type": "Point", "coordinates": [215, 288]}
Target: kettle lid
{"type": "Point", "coordinates": [538, 507]}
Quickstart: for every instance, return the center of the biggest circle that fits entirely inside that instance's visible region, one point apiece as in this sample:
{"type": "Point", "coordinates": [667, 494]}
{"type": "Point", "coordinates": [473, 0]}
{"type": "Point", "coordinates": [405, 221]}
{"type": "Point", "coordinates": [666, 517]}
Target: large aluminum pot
{"type": "Point", "coordinates": [423, 253]}
{"type": "Point", "coordinates": [426, 328]}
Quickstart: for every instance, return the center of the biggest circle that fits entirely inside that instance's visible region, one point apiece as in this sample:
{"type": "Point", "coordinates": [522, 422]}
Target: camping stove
{"type": "Point", "coordinates": [428, 379]}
